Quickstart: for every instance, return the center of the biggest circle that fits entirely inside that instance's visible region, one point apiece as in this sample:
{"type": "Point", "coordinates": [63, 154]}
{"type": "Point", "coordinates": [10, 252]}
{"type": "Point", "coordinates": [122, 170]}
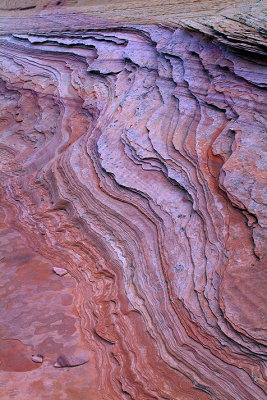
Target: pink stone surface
{"type": "Point", "coordinates": [133, 156]}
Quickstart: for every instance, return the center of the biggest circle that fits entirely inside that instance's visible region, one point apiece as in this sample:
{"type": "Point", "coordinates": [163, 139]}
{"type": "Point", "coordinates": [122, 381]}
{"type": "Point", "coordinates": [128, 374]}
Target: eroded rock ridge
{"type": "Point", "coordinates": [132, 156]}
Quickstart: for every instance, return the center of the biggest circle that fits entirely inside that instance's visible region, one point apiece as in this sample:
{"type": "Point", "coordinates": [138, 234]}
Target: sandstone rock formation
{"type": "Point", "coordinates": [132, 156]}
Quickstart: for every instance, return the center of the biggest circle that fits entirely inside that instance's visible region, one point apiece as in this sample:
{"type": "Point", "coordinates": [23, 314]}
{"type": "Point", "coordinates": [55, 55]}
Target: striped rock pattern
{"type": "Point", "coordinates": [132, 156]}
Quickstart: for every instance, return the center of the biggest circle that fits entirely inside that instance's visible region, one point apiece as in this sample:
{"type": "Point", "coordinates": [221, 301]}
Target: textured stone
{"type": "Point", "coordinates": [238, 23]}
{"type": "Point", "coordinates": [134, 156]}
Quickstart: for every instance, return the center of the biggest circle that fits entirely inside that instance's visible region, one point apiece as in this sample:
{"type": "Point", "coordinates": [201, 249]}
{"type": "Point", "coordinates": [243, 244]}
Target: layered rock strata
{"type": "Point", "coordinates": [238, 23]}
{"type": "Point", "coordinates": [132, 157]}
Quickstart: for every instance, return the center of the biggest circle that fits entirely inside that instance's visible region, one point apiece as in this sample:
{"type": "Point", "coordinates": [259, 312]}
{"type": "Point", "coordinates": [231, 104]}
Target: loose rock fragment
{"type": "Point", "coordinates": [60, 271]}
{"type": "Point", "coordinates": [38, 358]}
{"type": "Point", "coordinates": [69, 361]}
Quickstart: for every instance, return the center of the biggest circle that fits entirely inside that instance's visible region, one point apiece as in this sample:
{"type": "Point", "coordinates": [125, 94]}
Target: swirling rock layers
{"type": "Point", "coordinates": [132, 157]}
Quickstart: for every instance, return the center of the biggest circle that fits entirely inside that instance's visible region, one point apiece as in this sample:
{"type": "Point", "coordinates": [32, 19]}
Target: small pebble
{"type": "Point", "coordinates": [60, 271]}
{"type": "Point", "coordinates": [38, 358]}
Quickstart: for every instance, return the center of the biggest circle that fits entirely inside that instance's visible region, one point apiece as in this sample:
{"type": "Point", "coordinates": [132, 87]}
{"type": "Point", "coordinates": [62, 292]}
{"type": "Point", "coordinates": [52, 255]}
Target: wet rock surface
{"type": "Point", "coordinates": [134, 156]}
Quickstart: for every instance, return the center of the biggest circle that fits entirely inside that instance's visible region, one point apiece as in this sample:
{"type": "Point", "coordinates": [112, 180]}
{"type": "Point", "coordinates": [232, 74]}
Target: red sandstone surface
{"type": "Point", "coordinates": [133, 206]}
